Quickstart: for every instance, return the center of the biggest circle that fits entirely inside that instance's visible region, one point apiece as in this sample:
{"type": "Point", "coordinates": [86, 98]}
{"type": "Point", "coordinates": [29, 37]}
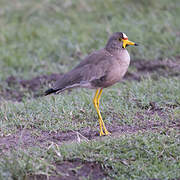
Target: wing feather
{"type": "Point", "coordinates": [95, 66]}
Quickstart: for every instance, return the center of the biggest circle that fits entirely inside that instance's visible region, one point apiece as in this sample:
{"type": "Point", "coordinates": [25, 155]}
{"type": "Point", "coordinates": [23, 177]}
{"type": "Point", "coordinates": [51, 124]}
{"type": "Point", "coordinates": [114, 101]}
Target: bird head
{"type": "Point", "coordinates": [119, 40]}
{"type": "Point", "coordinates": [126, 42]}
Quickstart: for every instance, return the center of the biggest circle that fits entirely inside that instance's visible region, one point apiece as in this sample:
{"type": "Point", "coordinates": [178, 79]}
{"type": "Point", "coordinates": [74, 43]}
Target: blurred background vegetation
{"type": "Point", "coordinates": [45, 36]}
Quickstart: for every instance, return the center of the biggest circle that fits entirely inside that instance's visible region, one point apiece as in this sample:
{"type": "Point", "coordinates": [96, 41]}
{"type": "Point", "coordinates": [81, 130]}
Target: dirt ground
{"type": "Point", "coordinates": [77, 169]}
{"type": "Point", "coordinates": [17, 87]}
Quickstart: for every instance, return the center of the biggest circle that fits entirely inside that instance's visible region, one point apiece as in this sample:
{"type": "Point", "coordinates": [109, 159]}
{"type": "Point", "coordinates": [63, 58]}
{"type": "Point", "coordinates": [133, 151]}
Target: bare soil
{"type": "Point", "coordinates": [18, 88]}
{"type": "Point", "coordinates": [154, 68]}
{"type": "Point", "coordinates": [75, 169]}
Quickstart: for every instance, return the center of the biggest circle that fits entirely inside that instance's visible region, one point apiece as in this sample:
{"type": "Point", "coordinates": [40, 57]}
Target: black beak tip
{"type": "Point", "coordinates": [136, 44]}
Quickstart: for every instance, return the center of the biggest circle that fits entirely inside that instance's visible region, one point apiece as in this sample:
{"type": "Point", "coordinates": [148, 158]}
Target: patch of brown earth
{"type": "Point", "coordinates": [18, 88]}
{"type": "Point", "coordinates": [152, 109]}
{"type": "Point", "coordinates": [27, 138]}
{"type": "Point", "coordinates": [75, 169]}
{"type": "Point", "coordinates": [155, 68]}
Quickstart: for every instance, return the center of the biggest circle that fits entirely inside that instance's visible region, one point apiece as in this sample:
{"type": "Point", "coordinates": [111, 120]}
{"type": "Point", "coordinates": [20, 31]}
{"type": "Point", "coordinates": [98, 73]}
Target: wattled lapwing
{"type": "Point", "coordinates": [99, 70]}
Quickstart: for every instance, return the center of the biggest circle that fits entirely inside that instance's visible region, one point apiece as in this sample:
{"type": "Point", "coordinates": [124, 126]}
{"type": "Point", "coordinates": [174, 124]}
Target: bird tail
{"type": "Point", "coordinates": [49, 91]}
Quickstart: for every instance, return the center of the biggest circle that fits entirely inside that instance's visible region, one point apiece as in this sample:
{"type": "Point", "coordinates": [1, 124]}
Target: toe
{"type": "Point", "coordinates": [107, 133]}
{"type": "Point", "coordinates": [101, 133]}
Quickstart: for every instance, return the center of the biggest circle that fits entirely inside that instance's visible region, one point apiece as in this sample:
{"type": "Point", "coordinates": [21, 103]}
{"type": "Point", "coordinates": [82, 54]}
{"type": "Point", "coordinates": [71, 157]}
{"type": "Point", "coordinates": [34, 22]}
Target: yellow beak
{"type": "Point", "coordinates": [127, 42]}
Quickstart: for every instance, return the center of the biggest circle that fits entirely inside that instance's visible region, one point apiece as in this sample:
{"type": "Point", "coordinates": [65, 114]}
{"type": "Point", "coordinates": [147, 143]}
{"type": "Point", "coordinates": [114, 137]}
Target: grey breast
{"type": "Point", "coordinates": [118, 68]}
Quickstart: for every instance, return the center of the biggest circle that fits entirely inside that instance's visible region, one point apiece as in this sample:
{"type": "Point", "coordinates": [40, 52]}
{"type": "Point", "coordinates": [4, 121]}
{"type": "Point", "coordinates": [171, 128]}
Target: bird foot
{"type": "Point", "coordinates": [105, 133]}
{"type": "Point", "coordinates": [101, 133]}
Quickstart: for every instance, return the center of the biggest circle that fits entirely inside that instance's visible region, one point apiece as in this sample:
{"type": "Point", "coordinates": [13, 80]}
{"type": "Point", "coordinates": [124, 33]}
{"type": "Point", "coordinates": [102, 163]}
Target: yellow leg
{"type": "Point", "coordinates": [102, 122]}
{"type": "Point", "coordinates": [97, 109]}
{"type": "Point", "coordinates": [98, 97]}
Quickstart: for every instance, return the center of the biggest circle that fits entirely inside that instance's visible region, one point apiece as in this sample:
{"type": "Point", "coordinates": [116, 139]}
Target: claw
{"type": "Point", "coordinates": [107, 132]}
{"type": "Point", "coordinates": [101, 133]}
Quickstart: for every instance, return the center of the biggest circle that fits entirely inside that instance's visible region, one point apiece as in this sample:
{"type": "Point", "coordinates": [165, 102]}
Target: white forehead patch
{"type": "Point", "coordinates": [124, 35]}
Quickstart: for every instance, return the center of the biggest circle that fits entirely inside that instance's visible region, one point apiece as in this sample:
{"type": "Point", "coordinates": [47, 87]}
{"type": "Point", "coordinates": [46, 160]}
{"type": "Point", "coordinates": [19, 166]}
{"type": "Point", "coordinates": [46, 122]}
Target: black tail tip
{"type": "Point", "coordinates": [49, 91]}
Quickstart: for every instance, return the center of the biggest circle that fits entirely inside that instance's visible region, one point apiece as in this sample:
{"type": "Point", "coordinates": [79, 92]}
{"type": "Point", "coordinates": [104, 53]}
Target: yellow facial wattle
{"type": "Point", "coordinates": [127, 42]}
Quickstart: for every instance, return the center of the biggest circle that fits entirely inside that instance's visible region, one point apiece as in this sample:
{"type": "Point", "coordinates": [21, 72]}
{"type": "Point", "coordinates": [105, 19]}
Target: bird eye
{"type": "Point", "coordinates": [120, 39]}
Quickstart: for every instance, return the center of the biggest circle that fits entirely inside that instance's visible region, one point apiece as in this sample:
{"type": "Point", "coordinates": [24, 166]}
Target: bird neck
{"type": "Point", "coordinates": [113, 47]}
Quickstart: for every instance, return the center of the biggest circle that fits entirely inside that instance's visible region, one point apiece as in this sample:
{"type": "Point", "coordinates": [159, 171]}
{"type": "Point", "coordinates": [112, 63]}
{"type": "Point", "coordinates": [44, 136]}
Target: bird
{"type": "Point", "coordinates": [98, 70]}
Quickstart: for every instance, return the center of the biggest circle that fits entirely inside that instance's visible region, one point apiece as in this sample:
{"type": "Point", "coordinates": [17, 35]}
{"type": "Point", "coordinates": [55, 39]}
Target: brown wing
{"type": "Point", "coordinates": [93, 68]}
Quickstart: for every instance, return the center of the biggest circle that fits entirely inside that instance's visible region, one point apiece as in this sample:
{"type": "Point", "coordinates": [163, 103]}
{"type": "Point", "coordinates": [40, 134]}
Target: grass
{"type": "Point", "coordinates": [132, 157]}
{"type": "Point", "coordinates": [43, 37]}
{"type": "Point", "coordinates": [75, 110]}
{"type": "Point", "coordinates": [153, 155]}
